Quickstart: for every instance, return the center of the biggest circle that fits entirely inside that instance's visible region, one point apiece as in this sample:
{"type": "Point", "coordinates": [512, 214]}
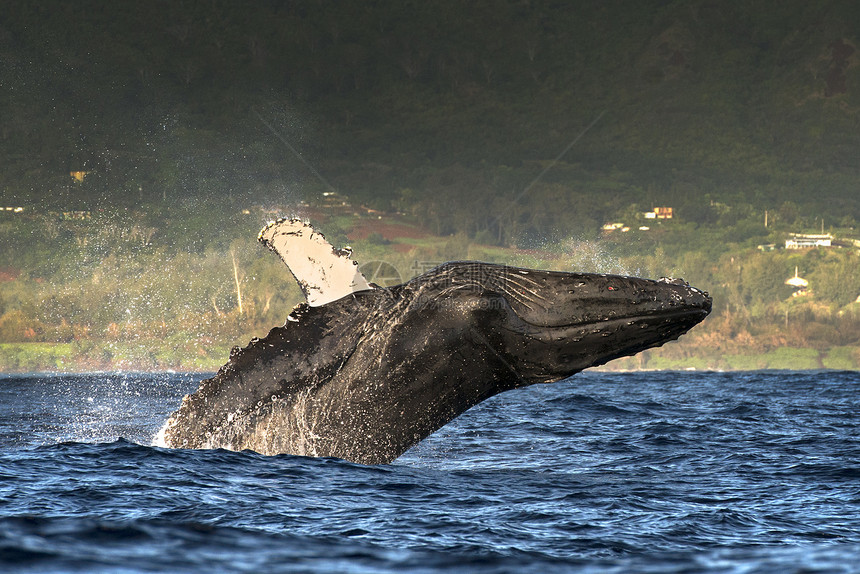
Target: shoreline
{"type": "Point", "coordinates": [72, 358]}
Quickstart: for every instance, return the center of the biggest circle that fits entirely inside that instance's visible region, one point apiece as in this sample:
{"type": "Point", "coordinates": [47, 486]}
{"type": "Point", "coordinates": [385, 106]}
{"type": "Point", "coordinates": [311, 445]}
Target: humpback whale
{"type": "Point", "coordinates": [362, 372]}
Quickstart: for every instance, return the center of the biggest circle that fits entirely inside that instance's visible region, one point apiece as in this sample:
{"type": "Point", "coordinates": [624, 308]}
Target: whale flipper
{"type": "Point", "coordinates": [324, 273]}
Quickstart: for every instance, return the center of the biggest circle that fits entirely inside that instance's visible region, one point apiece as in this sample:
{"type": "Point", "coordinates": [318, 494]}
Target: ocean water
{"type": "Point", "coordinates": [644, 472]}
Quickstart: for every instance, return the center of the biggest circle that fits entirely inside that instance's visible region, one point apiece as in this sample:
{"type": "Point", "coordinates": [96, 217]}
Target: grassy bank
{"type": "Point", "coordinates": [785, 358]}
{"type": "Point", "coordinates": [109, 305]}
{"type": "Point", "coordinates": [89, 356]}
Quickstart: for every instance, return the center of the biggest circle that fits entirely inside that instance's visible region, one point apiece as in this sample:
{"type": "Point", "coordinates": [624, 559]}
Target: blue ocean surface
{"type": "Point", "coordinates": [640, 472]}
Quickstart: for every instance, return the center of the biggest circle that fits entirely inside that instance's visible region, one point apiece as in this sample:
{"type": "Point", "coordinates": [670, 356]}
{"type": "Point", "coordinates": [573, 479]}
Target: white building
{"type": "Point", "coordinates": [801, 241]}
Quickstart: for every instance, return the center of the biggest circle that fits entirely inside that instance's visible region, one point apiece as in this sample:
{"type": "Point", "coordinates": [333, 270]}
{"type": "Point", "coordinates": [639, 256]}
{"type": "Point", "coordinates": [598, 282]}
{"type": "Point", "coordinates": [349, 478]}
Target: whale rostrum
{"type": "Point", "coordinates": [363, 372]}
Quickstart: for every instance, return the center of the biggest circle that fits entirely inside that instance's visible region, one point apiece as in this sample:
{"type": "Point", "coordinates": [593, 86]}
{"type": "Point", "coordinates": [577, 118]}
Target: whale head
{"type": "Point", "coordinates": [548, 325]}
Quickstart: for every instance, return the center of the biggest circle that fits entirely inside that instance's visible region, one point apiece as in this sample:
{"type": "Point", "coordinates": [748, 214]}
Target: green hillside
{"type": "Point", "coordinates": [742, 102]}
{"type": "Point", "coordinates": [509, 131]}
{"type": "Point", "coordinates": [177, 289]}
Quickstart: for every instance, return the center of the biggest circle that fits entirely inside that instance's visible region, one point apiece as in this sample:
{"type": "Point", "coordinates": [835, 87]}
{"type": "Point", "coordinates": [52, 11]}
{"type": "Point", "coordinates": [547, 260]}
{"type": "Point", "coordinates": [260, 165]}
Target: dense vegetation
{"type": "Point", "coordinates": [162, 290]}
{"type": "Point", "coordinates": [507, 131]}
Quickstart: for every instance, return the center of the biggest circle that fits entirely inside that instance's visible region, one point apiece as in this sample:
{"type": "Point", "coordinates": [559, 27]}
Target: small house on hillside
{"type": "Point", "coordinates": [660, 213]}
{"type": "Point", "coordinates": [334, 200]}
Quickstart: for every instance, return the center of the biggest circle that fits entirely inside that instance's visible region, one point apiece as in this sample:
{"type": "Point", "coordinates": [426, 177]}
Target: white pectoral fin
{"type": "Point", "coordinates": [324, 273]}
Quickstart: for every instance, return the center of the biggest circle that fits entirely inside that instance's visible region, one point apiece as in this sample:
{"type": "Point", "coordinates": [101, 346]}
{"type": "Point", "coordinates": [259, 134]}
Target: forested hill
{"type": "Point", "coordinates": [418, 105]}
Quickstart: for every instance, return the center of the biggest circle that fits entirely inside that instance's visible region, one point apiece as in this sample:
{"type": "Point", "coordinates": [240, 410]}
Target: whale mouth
{"type": "Point", "coordinates": [682, 319]}
{"type": "Point", "coordinates": [556, 352]}
{"type": "Point", "coordinates": [642, 330]}
{"type": "Point", "coordinates": [697, 309]}
{"type": "Point", "coordinates": [689, 312]}
{"type": "Point", "coordinates": [685, 318]}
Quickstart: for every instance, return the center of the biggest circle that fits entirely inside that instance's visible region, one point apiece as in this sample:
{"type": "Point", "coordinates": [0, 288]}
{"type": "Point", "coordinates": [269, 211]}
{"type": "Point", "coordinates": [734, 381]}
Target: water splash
{"type": "Point", "coordinates": [592, 256]}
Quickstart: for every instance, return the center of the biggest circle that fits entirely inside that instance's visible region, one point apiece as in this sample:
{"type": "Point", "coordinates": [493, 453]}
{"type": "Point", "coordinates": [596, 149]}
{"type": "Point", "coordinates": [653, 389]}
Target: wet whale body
{"type": "Point", "coordinates": [363, 372]}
